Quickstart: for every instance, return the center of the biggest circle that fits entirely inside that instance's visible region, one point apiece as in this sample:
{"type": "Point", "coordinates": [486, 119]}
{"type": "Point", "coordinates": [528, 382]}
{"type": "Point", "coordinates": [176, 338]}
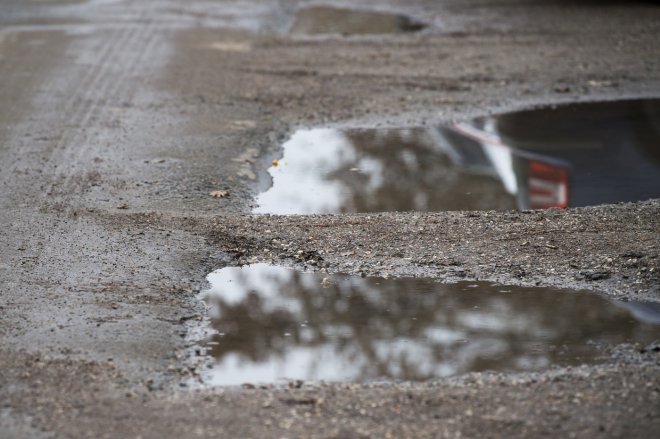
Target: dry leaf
{"type": "Point", "coordinates": [122, 206]}
{"type": "Point", "coordinates": [219, 194]}
{"type": "Point", "coordinates": [231, 46]}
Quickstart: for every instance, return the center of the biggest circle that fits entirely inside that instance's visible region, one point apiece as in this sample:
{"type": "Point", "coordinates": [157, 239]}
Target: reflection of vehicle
{"type": "Point", "coordinates": [574, 155]}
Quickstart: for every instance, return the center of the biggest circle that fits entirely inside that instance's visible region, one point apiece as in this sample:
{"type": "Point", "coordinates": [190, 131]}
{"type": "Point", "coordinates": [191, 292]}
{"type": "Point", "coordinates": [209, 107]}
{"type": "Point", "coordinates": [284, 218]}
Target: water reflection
{"type": "Point", "coordinates": [573, 155]}
{"type": "Point", "coordinates": [329, 20]}
{"type": "Point", "coordinates": [330, 171]}
{"type": "Point", "coordinates": [272, 323]}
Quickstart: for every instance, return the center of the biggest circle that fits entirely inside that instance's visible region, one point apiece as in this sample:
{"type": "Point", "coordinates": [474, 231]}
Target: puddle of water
{"type": "Point", "coordinates": [271, 323]}
{"type": "Point", "coordinates": [328, 20]}
{"type": "Point", "coordinates": [571, 155]}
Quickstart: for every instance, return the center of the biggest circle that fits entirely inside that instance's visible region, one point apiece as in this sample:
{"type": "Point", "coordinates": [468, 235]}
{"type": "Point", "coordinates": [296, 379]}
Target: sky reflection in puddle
{"type": "Point", "coordinates": [568, 156]}
{"type": "Point", "coordinates": [273, 323]}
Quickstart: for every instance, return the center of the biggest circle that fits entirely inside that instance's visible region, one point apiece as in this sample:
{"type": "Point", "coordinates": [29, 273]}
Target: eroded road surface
{"type": "Point", "coordinates": [139, 141]}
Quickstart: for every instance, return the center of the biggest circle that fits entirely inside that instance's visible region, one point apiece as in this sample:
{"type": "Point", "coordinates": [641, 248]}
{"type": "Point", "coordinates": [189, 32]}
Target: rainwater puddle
{"type": "Point", "coordinates": [317, 20]}
{"type": "Point", "coordinates": [565, 156]}
{"type": "Point", "coordinates": [271, 323]}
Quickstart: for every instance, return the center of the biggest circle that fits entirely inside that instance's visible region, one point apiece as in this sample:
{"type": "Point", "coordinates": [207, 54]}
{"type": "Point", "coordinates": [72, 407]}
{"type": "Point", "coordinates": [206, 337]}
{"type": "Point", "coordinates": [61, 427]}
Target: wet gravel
{"type": "Point", "coordinates": [553, 247]}
{"type": "Point", "coordinates": [119, 119]}
{"type": "Point", "coordinates": [489, 405]}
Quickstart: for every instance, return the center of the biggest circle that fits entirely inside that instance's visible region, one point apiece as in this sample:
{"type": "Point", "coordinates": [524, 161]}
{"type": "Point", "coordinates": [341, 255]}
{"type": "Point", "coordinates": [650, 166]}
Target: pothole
{"type": "Point", "coordinates": [271, 323]}
{"type": "Point", "coordinates": [565, 156]}
{"type": "Point", "coordinates": [317, 20]}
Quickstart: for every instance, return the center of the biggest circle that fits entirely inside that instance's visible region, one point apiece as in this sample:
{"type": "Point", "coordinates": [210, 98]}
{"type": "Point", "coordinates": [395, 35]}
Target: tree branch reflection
{"type": "Point", "coordinates": [412, 329]}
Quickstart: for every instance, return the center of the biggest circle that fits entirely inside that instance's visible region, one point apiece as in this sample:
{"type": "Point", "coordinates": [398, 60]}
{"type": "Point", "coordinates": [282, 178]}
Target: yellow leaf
{"type": "Point", "coordinates": [219, 194]}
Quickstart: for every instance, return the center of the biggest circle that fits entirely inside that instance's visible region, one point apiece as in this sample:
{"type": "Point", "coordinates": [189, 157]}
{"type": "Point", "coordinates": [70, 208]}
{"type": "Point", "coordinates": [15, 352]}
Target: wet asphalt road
{"type": "Point", "coordinates": [117, 118]}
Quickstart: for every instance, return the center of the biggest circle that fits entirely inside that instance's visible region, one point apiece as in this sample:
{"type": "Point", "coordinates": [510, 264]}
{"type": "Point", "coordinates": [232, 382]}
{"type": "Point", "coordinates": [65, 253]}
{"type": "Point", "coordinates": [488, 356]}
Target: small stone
{"type": "Point", "coordinates": [592, 275]}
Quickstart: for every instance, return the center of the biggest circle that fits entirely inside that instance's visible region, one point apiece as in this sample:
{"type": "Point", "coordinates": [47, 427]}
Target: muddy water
{"type": "Point", "coordinates": [572, 155]}
{"type": "Point", "coordinates": [273, 323]}
{"type": "Point", "coordinates": [328, 20]}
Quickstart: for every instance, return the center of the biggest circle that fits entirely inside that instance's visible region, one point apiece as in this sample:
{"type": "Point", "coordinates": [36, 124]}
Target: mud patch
{"type": "Point", "coordinates": [328, 20]}
{"type": "Point", "coordinates": [567, 156]}
{"type": "Point", "coordinates": [271, 323]}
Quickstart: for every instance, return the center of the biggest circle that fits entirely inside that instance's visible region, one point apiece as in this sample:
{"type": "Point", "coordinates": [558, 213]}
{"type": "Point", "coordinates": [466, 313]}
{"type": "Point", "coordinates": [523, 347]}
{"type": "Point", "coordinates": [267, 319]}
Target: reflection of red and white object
{"type": "Point", "coordinates": [547, 185]}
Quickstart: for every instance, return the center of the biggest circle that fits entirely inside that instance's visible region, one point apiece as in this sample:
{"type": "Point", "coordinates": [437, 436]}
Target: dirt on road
{"type": "Point", "coordinates": [118, 118]}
